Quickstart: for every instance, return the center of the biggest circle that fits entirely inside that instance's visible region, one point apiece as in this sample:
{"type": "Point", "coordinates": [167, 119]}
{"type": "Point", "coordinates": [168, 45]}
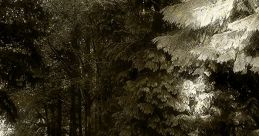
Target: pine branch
{"type": "Point", "coordinates": [249, 23]}
{"type": "Point", "coordinates": [196, 14]}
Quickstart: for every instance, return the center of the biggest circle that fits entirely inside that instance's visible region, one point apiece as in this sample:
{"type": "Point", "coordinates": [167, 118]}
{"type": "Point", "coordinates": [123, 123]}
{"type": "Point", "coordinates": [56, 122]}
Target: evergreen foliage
{"type": "Point", "coordinates": [223, 35]}
{"type": "Point", "coordinates": [21, 28]}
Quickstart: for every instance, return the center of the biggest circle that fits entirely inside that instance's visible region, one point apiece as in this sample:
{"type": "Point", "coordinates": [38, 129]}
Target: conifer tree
{"type": "Point", "coordinates": [156, 100]}
{"type": "Point", "coordinates": [21, 24]}
{"type": "Point", "coordinates": [220, 37]}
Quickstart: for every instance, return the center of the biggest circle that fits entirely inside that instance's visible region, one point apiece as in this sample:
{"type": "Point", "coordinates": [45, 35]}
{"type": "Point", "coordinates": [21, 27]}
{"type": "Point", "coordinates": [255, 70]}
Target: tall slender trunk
{"type": "Point", "coordinates": [47, 121]}
{"type": "Point", "coordinates": [72, 129]}
{"type": "Point", "coordinates": [79, 112]}
{"type": "Point", "coordinates": [88, 115]}
{"type": "Point", "coordinates": [85, 92]}
{"type": "Point", "coordinates": [86, 131]}
{"type": "Point", "coordinates": [53, 119]}
{"type": "Point", "coordinates": [59, 117]}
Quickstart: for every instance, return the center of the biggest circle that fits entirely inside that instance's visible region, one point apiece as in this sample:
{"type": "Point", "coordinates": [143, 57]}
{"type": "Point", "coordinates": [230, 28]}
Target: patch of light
{"type": "Point", "coordinates": [198, 100]}
{"type": "Point", "coordinates": [5, 130]}
{"type": "Point", "coordinates": [203, 103]}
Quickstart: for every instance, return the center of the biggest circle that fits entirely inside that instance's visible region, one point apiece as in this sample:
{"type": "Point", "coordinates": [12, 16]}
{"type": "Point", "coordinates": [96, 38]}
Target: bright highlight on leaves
{"type": "Point", "coordinates": [196, 14]}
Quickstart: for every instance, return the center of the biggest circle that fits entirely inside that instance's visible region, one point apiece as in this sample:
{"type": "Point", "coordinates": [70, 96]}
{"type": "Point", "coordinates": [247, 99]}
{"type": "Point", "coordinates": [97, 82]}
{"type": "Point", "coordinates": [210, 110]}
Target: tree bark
{"type": "Point", "coordinates": [79, 112]}
{"type": "Point", "coordinates": [53, 119]}
{"type": "Point", "coordinates": [87, 114]}
{"type": "Point", "coordinates": [47, 121]}
{"type": "Point", "coordinates": [59, 117]}
{"type": "Point", "coordinates": [72, 126]}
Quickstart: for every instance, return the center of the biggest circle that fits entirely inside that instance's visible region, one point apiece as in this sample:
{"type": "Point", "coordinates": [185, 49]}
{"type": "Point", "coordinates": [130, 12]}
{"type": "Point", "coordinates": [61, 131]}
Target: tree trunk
{"type": "Point", "coordinates": [53, 120]}
{"type": "Point", "coordinates": [59, 117]}
{"type": "Point", "coordinates": [79, 110]}
{"type": "Point", "coordinates": [87, 111]}
{"type": "Point", "coordinates": [72, 126]}
{"type": "Point", "coordinates": [47, 121]}
{"type": "Point", "coordinates": [85, 120]}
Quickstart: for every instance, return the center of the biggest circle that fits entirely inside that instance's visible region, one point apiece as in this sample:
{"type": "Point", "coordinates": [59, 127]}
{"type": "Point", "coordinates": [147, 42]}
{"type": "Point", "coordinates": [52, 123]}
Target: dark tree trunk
{"type": "Point", "coordinates": [87, 103]}
{"type": "Point", "coordinates": [47, 121]}
{"type": "Point", "coordinates": [59, 117]}
{"type": "Point", "coordinates": [72, 126]}
{"type": "Point", "coordinates": [85, 119]}
{"type": "Point", "coordinates": [79, 106]}
{"type": "Point", "coordinates": [53, 119]}
{"type": "Point", "coordinates": [85, 92]}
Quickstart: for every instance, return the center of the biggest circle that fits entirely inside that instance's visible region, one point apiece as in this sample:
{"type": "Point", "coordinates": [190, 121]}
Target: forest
{"type": "Point", "coordinates": [129, 67]}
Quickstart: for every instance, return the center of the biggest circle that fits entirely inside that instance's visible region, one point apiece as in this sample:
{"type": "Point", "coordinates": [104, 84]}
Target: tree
{"type": "Point", "coordinates": [152, 101]}
{"type": "Point", "coordinates": [21, 27]}
{"type": "Point", "coordinates": [222, 34]}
